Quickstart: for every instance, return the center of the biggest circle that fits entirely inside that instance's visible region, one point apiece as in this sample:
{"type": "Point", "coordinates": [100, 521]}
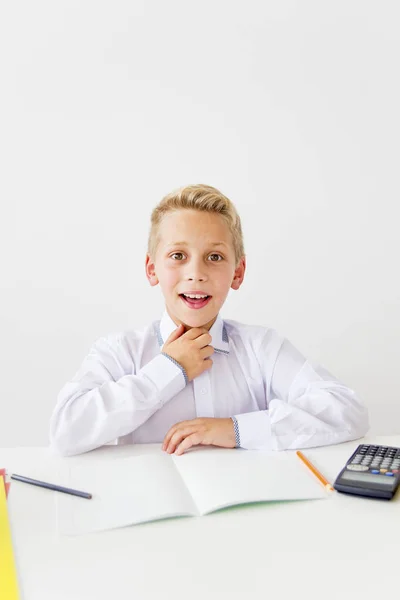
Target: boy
{"type": "Point", "coordinates": [193, 378]}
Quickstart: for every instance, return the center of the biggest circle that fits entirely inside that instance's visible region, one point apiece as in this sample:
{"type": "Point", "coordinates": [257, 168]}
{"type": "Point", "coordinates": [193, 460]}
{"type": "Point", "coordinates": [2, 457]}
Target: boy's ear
{"type": "Point", "coordinates": [239, 274]}
{"type": "Point", "coordinates": [150, 270]}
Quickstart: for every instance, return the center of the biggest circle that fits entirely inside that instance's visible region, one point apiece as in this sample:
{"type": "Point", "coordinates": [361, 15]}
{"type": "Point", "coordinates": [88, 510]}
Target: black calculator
{"type": "Point", "coordinates": [371, 471]}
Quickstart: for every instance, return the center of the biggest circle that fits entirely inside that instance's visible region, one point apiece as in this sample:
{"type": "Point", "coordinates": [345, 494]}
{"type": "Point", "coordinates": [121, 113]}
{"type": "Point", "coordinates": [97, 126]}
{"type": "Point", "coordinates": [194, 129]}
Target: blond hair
{"type": "Point", "coordinates": [203, 198]}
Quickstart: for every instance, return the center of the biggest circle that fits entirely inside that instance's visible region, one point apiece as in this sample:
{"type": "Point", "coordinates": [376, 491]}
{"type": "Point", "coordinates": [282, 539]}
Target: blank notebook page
{"type": "Point", "coordinates": [217, 477]}
{"type": "Point", "coordinates": [125, 491]}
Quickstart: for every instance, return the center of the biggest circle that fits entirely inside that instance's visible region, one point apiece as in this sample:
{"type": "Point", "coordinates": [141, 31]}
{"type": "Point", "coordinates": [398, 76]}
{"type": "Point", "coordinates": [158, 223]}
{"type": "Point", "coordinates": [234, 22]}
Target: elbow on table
{"type": "Point", "coordinates": [61, 444]}
{"type": "Point", "coordinates": [62, 438]}
{"type": "Point", "coordinates": [358, 421]}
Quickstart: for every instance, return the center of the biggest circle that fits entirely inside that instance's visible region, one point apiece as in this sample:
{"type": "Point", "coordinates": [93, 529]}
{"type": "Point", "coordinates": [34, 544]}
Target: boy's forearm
{"type": "Point", "coordinates": [317, 418]}
{"type": "Point", "coordinates": [86, 419]}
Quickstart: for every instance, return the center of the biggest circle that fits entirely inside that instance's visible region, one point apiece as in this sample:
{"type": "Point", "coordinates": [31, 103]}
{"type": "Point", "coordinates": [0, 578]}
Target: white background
{"type": "Point", "coordinates": [290, 108]}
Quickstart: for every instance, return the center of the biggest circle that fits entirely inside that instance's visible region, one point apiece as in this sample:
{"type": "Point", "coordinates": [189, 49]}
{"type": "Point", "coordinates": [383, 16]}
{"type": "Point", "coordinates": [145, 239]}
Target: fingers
{"type": "Point", "coordinates": [206, 365]}
{"type": "Point", "coordinates": [201, 335]}
{"type": "Point", "coordinates": [178, 436]}
{"type": "Point", "coordinates": [171, 432]}
{"type": "Point", "coordinates": [181, 431]}
{"type": "Point", "coordinates": [175, 334]}
{"type": "Point", "coordinates": [195, 332]}
{"type": "Point", "coordinates": [202, 431]}
{"type": "Point", "coordinates": [191, 440]}
{"type": "Point", "coordinates": [203, 340]}
{"type": "Point", "coordinates": [206, 352]}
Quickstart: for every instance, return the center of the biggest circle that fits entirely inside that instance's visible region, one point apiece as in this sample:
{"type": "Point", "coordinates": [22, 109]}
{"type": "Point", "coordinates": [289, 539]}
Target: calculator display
{"type": "Point", "coordinates": [367, 477]}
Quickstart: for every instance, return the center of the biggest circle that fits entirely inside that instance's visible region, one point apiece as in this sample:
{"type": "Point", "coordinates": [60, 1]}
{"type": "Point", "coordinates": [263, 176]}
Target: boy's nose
{"type": "Point", "coordinates": [195, 273]}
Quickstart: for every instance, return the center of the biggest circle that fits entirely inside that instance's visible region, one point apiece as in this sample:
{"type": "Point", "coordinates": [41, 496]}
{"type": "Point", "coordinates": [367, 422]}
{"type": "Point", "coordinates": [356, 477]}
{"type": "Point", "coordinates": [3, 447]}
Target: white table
{"type": "Point", "coordinates": [343, 547]}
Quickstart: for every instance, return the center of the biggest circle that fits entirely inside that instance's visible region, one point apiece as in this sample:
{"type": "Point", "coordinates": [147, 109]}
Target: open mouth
{"type": "Point", "coordinates": [195, 302]}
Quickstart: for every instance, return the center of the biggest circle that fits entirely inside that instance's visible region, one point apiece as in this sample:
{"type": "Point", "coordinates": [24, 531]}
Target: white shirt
{"type": "Point", "coordinates": [127, 391]}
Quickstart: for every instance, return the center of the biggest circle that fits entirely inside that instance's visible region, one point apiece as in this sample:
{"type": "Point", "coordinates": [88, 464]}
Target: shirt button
{"type": "Point", "coordinates": [203, 391]}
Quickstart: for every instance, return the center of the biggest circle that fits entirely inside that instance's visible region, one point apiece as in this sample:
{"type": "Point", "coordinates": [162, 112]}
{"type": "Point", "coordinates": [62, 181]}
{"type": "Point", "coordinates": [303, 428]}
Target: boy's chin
{"type": "Point", "coordinates": [190, 323]}
{"type": "Point", "coordinates": [196, 320]}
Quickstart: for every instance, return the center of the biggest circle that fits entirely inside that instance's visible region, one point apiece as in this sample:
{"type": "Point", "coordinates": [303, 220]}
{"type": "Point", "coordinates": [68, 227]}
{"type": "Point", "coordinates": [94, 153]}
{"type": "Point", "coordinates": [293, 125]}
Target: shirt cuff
{"type": "Point", "coordinates": [178, 365]}
{"type": "Point", "coordinates": [254, 430]}
{"type": "Point", "coordinates": [237, 432]}
{"type": "Point", "coordinates": [168, 376]}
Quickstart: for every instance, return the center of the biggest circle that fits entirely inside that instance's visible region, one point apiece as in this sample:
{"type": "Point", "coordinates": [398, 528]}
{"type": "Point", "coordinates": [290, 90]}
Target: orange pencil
{"type": "Point", "coordinates": [317, 474]}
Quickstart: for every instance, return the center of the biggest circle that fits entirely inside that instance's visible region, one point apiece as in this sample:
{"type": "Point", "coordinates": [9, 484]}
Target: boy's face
{"type": "Point", "coordinates": [194, 256]}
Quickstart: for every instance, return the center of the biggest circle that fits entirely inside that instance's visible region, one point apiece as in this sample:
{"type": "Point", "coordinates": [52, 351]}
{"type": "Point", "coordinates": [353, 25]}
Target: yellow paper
{"type": "Point", "coordinates": [8, 574]}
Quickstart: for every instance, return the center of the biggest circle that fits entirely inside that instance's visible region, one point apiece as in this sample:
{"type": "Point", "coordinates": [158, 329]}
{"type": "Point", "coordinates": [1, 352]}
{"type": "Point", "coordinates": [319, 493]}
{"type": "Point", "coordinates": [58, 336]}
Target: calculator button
{"type": "Point", "coordinates": [395, 471]}
{"type": "Point", "coordinates": [357, 467]}
{"type": "Point", "coordinates": [383, 470]}
{"type": "Point", "coordinates": [375, 471]}
{"type": "Point", "coordinates": [390, 473]}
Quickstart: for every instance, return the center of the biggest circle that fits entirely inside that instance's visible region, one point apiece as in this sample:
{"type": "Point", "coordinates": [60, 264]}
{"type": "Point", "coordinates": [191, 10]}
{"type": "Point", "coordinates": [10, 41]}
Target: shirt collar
{"type": "Point", "coordinates": [220, 341]}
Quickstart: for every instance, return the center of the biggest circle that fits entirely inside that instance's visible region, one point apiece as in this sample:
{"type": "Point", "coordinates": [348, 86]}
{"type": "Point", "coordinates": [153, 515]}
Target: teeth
{"type": "Point", "coordinates": [194, 296]}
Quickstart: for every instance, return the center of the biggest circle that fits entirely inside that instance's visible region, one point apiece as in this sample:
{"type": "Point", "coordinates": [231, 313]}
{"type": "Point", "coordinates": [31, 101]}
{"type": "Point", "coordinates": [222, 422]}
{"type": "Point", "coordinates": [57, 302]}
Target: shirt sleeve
{"type": "Point", "coordinates": [99, 405]}
{"type": "Point", "coordinates": [306, 406]}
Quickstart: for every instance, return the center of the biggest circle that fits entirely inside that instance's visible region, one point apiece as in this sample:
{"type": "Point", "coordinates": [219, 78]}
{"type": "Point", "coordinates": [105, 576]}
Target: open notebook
{"type": "Point", "coordinates": [148, 487]}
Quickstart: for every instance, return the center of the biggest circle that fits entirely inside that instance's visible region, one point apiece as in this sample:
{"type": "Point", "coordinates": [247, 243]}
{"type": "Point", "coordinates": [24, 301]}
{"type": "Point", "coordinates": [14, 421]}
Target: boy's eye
{"type": "Point", "coordinates": [215, 257]}
{"type": "Point", "coordinates": [177, 255]}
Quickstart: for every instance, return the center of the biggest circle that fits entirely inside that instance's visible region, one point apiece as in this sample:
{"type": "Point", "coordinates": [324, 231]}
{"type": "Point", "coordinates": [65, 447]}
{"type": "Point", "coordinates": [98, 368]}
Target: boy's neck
{"type": "Point", "coordinates": [207, 326]}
